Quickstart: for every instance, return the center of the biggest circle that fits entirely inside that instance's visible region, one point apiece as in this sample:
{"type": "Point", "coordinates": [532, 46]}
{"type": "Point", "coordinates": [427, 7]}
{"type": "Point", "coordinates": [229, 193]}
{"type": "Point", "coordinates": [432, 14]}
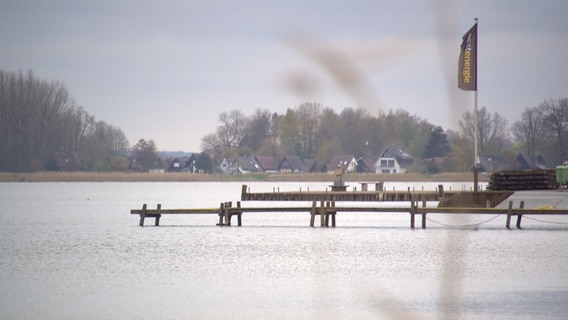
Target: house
{"type": "Point", "coordinates": [153, 164]}
{"type": "Point", "coordinates": [187, 163]}
{"type": "Point", "coordinates": [295, 164]}
{"type": "Point", "coordinates": [394, 160]}
{"type": "Point", "coordinates": [484, 164]}
{"type": "Point", "coordinates": [241, 164]}
{"type": "Point", "coordinates": [523, 162]}
{"type": "Point", "coordinates": [246, 164]}
{"type": "Point", "coordinates": [268, 164]}
{"type": "Point", "coordinates": [347, 162]}
{"type": "Point", "coordinates": [226, 167]}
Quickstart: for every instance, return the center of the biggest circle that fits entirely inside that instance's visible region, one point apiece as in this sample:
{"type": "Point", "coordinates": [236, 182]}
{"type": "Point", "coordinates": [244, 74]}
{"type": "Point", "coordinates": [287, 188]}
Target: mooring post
{"type": "Point", "coordinates": [424, 215]}
{"type": "Point", "coordinates": [221, 212]}
{"type": "Point", "coordinates": [333, 212]}
{"type": "Point", "coordinates": [322, 214]}
{"type": "Point", "coordinates": [239, 214]}
{"type": "Point", "coordinates": [509, 212]}
{"type": "Point", "coordinates": [520, 216]}
{"type": "Point", "coordinates": [228, 206]}
{"type": "Point", "coordinates": [142, 215]}
{"type": "Point", "coordinates": [158, 215]}
{"type": "Point", "coordinates": [441, 197]}
{"type": "Point", "coordinates": [327, 213]}
{"type": "Point", "coordinates": [313, 214]}
{"type": "Point", "coordinates": [412, 212]}
{"type": "Point", "coordinates": [244, 192]}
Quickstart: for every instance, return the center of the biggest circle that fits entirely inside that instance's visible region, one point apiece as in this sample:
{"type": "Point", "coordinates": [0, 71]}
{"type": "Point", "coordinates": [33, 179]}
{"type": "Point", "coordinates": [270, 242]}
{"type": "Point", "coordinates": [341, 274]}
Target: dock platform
{"type": "Point", "coordinates": [327, 205]}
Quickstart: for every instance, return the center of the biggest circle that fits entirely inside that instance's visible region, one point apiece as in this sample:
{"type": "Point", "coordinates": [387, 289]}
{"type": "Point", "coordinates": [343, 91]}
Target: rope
{"type": "Point", "coordinates": [490, 219]}
{"type": "Point", "coordinates": [543, 221]}
{"type": "Point", "coordinates": [462, 225]}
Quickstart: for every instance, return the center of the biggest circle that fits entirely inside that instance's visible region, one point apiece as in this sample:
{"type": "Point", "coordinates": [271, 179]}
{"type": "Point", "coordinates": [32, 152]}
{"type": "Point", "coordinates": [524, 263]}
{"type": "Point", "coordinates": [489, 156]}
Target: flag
{"type": "Point", "coordinates": [467, 76]}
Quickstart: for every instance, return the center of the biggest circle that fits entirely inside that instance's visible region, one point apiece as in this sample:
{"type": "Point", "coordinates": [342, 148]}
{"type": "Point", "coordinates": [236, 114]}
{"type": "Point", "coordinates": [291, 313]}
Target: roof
{"type": "Point", "coordinates": [398, 152]}
{"type": "Point", "coordinates": [340, 160]}
{"type": "Point", "coordinates": [248, 164]}
{"type": "Point", "coordinates": [297, 164]}
{"type": "Point", "coordinates": [524, 161]}
{"type": "Point", "coordinates": [267, 163]}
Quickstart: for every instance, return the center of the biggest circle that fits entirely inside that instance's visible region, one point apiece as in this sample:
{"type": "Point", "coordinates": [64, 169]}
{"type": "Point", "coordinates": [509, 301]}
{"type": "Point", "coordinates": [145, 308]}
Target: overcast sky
{"type": "Point", "coordinates": [164, 70]}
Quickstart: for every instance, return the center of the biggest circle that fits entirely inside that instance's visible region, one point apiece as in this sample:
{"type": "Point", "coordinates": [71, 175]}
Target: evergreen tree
{"type": "Point", "coordinates": [438, 145]}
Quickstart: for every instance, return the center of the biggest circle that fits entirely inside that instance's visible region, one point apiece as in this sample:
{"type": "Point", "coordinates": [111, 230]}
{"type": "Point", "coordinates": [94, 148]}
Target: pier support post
{"type": "Point", "coordinates": [158, 216]}
{"type": "Point", "coordinates": [424, 215]}
{"type": "Point", "coordinates": [227, 213]}
{"type": "Point", "coordinates": [520, 216]}
{"type": "Point", "coordinates": [322, 214]}
{"type": "Point", "coordinates": [333, 212]}
{"type": "Point", "coordinates": [142, 215]}
{"type": "Point", "coordinates": [221, 211]}
{"type": "Point", "coordinates": [412, 213]}
{"type": "Point", "coordinates": [509, 212]}
{"type": "Point", "coordinates": [239, 214]}
{"type": "Point", "coordinates": [313, 214]}
{"type": "Point", "coordinates": [327, 213]}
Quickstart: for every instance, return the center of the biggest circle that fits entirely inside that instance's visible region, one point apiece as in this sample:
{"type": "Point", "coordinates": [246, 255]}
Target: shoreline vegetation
{"type": "Point", "coordinates": [189, 177]}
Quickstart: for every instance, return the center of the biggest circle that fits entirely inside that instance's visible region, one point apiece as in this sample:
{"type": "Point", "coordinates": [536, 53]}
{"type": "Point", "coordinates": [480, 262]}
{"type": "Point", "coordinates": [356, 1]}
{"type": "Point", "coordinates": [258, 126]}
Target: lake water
{"type": "Point", "coordinates": [74, 251]}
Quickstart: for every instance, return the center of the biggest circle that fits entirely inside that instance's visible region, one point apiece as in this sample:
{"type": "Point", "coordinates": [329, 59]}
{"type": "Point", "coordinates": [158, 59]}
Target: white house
{"type": "Point", "coordinates": [394, 160]}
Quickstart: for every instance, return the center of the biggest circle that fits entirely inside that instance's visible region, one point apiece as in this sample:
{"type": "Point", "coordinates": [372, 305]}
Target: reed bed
{"type": "Point", "coordinates": [189, 177]}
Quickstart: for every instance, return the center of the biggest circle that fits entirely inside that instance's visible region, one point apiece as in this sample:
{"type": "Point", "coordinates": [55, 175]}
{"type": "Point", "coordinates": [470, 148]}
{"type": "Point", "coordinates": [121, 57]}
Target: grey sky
{"type": "Point", "coordinates": [164, 70]}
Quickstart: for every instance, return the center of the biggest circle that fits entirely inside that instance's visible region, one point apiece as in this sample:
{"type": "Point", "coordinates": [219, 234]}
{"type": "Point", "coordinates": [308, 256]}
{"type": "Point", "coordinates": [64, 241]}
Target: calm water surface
{"type": "Point", "coordinates": [73, 251]}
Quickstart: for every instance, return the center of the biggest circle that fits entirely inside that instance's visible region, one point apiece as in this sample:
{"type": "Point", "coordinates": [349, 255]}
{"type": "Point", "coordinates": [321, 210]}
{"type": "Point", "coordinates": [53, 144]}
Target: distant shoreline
{"type": "Point", "coordinates": [188, 177]}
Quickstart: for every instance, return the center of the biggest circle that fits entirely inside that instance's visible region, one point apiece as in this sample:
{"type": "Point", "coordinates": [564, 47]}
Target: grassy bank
{"type": "Point", "coordinates": [187, 177]}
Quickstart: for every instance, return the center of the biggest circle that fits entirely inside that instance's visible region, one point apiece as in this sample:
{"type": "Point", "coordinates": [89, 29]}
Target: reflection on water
{"type": "Point", "coordinates": [72, 250]}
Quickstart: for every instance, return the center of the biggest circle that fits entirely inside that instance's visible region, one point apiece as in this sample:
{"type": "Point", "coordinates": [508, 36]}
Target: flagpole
{"type": "Point", "coordinates": [475, 166]}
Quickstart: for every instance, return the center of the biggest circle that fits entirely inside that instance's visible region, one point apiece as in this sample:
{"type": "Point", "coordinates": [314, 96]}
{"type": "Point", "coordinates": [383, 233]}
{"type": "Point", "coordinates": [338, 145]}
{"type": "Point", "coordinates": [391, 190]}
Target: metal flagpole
{"type": "Point", "coordinates": [475, 158]}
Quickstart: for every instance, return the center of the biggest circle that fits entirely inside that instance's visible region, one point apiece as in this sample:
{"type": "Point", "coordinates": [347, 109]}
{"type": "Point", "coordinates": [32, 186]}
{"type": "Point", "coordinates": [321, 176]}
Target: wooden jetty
{"type": "Point", "coordinates": [324, 204]}
{"type": "Point", "coordinates": [445, 198]}
{"type": "Point", "coordinates": [327, 211]}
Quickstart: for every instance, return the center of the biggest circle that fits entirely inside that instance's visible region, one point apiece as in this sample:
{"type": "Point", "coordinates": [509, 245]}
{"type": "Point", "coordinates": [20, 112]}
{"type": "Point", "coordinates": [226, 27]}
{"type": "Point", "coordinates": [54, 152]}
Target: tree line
{"type": "Point", "coordinates": [313, 131]}
{"type": "Point", "coordinates": [42, 127]}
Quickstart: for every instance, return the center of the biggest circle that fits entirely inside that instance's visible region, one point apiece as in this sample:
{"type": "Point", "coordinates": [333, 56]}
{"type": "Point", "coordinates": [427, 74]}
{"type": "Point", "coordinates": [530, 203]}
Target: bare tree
{"type": "Point", "coordinates": [529, 131]}
{"type": "Point", "coordinates": [308, 116]}
{"type": "Point", "coordinates": [492, 131]}
{"type": "Point", "coordinates": [232, 129]}
{"type": "Point", "coordinates": [556, 127]}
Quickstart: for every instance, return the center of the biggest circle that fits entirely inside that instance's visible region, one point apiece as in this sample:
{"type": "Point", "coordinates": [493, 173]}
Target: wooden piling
{"type": "Point", "coordinates": [520, 216]}
{"type": "Point", "coordinates": [509, 213]}
{"type": "Point", "coordinates": [142, 215]}
{"type": "Point", "coordinates": [322, 214]}
{"type": "Point", "coordinates": [221, 212]}
{"type": "Point", "coordinates": [412, 213]}
{"type": "Point", "coordinates": [227, 214]}
{"type": "Point", "coordinates": [313, 214]}
{"type": "Point", "coordinates": [239, 214]}
{"type": "Point", "coordinates": [424, 215]}
{"type": "Point", "coordinates": [157, 220]}
{"type": "Point", "coordinates": [333, 213]}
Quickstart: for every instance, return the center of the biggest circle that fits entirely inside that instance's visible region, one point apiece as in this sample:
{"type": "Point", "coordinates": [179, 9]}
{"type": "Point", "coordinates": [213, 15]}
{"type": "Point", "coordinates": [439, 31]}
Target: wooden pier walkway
{"type": "Point", "coordinates": [327, 211]}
